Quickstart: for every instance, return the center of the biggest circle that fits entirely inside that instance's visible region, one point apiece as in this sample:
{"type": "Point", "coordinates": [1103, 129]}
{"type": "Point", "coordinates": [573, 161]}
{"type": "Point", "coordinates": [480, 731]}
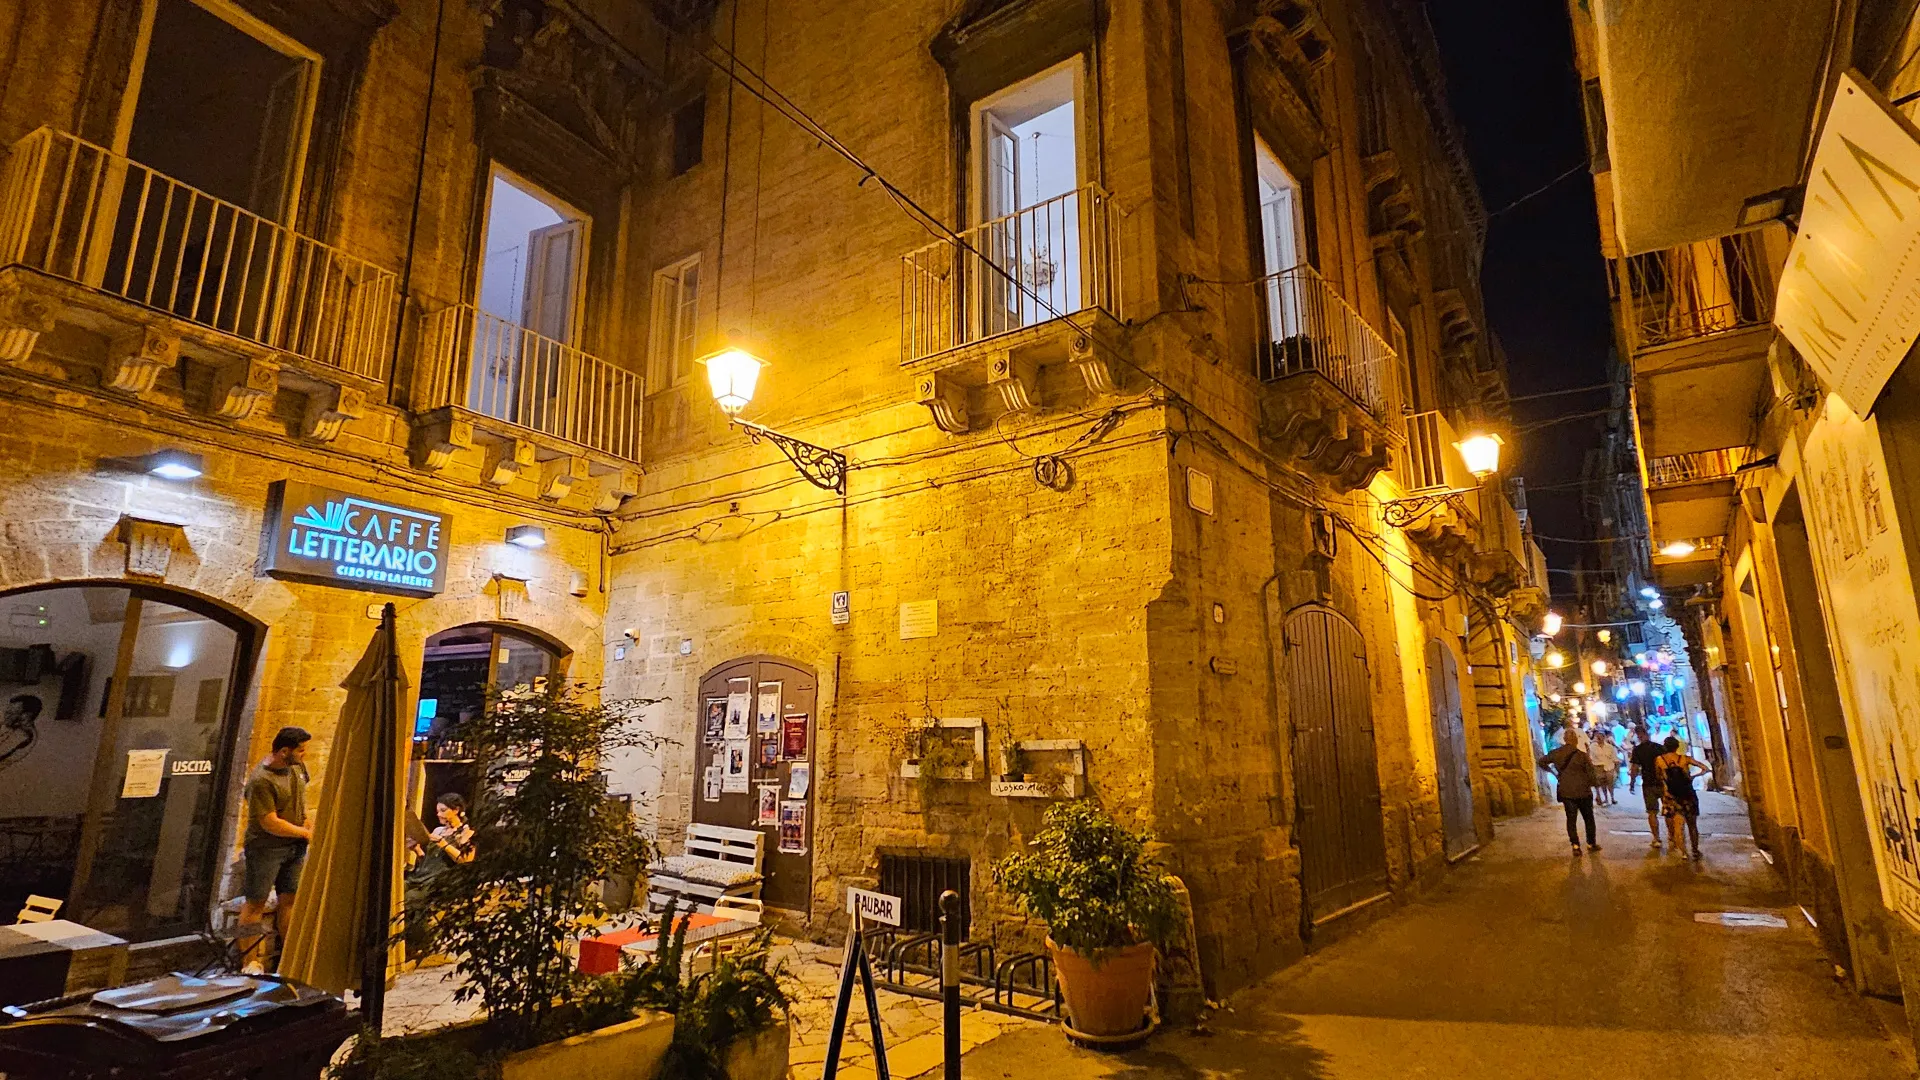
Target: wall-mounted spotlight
{"type": "Point", "coordinates": [174, 465]}
{"type": "Point", "coordinates": [1679, 549]}
{"type": "Point", "coordinates": [527, 536]}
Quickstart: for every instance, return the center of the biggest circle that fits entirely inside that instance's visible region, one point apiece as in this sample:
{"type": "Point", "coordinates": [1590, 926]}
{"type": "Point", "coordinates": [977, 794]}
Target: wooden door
{"type": "Point", "coordinates": [1337, 823]}
{"type": "Point", "coordinates": [789, 873]}
{"type": "Point", "coordinates": [1451, 772]}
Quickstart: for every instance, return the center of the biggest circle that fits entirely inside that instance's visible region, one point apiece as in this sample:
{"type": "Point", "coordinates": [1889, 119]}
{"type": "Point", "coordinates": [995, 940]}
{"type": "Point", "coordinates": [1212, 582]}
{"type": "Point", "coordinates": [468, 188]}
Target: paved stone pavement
{"type": "Point", "coordinates": [1527, 962]}
{"type": "Point", "coordinates": [422, 1000]}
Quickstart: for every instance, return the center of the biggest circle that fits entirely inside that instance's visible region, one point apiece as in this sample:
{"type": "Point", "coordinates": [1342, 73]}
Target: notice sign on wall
{"type": "Point", "coordinates": [336, 538]}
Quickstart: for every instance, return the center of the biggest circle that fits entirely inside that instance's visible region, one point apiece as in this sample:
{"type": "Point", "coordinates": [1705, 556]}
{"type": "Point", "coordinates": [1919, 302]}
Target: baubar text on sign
{"type": "Point", "coordinates": [1850, 295]}
{"type": "Point", "coordinates": [874, 906]}
{"type": "Point", "coordinates": [320, 534]}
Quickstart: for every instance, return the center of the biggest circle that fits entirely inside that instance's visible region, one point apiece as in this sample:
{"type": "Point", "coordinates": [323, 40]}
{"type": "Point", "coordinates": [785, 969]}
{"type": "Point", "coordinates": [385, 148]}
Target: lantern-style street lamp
{"type": "Point", "coordinates": [1480, 452]}
{"type": "Point", "coordinates": [732, 374]}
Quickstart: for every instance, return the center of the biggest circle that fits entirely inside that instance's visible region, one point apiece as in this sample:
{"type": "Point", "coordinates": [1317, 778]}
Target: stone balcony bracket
{"type": "Point", "coordinates": [328, 410]}
{"type": "Point", "coordinates": [561, 475]}
{"type": "Point", "coordinates": [24, 316]}
{"type": "Point", "coordinates": [1017, 379]}
{"type": "Point", "coordinates": [506, 461]}
{"type": "Point", "coordinates": [1095, 368]}
{"type": "Point", "coordinates": [437, 437]}
{"type": "Point", "coordinates": [243, 385]}
{"type": "Point", "coordinates": [945, 398]}
{"type": "Point", "coordinates": [1326, 434]}
{"type": "Point", "coordinates": [136, 358]}
{"type": "Point", "coordinates": [615, 488]}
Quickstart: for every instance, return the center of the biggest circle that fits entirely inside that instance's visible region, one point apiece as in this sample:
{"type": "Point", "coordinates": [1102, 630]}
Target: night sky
{"type": "Point", "coordinates": [1511, 78]}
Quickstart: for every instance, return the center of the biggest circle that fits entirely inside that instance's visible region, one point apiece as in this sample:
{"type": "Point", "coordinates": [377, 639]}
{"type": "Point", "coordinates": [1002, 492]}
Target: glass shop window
{"type": "Point", "coordinates": [115, 750]}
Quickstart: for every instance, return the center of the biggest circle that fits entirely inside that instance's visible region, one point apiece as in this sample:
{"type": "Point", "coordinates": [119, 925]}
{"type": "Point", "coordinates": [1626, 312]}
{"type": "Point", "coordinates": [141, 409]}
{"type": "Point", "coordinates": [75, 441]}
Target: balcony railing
{"type": "Point", "coordinates": [1307, 327]}
{"type": "Point", "coordinates": [489, 366]}
{"type": "Point", "coordinates": [1697, 290]}
{"type": "Point", "coordinates": [78, 211]}
{"type": "Point", "coordinates": [1705, 465]}
{"type": "Point", "coordinates": [1052, 259]}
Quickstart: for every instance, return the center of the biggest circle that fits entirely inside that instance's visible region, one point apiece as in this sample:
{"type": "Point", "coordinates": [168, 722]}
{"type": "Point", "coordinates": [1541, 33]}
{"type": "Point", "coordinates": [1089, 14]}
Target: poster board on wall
{"type": "Point", "coordinates": [1874, 627]}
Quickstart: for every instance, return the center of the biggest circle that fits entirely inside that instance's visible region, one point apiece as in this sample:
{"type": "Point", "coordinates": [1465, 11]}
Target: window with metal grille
{"type": "Point", "coordinates": [918, 880]}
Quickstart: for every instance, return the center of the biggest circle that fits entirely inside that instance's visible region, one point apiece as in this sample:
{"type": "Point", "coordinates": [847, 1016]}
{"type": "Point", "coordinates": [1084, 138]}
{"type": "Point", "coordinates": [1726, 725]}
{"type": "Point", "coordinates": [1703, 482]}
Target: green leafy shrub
{"type": "Point", "coordinates": [545, 835]}
{"type": "Point", "coordinates": [1090, 880]}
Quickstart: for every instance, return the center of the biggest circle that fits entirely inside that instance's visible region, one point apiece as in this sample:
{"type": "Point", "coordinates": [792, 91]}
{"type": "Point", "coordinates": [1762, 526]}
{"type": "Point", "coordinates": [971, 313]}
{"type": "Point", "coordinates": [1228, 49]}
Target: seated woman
{"type": "Point", "coordinates": [450, 844]}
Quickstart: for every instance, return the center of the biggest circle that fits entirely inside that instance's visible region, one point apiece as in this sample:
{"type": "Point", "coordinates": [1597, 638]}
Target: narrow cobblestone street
{"type": "Point", "coordinates": [1529, 962]}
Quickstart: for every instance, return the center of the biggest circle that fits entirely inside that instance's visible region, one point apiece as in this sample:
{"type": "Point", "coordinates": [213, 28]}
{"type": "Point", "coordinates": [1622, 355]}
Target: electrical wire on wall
{"type": "Point", "coordinates": [1050, 469]}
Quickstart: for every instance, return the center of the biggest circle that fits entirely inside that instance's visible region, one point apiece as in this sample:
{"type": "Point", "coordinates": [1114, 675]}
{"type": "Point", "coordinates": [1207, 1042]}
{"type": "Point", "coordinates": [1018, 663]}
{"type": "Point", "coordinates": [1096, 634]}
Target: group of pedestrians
{"type": "Point", "coordinates": [1586, 768]}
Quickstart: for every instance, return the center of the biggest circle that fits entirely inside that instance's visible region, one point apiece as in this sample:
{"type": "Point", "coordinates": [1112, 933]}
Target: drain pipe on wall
{"type": "Point", "coordinates": [419, 183]}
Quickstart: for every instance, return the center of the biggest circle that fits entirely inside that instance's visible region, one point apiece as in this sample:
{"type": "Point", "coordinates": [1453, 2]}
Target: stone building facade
{"type": "Point", "coordinates": [1144, 330]}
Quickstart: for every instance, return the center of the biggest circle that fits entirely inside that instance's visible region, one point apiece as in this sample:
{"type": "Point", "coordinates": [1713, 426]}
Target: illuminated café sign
{"type": "Point", "coordinates": [332, 537]}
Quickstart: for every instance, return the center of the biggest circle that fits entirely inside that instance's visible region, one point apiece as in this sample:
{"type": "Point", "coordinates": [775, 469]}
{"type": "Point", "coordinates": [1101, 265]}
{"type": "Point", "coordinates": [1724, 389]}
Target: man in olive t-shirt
{"type": "Point", "coordinates": [275, 848]}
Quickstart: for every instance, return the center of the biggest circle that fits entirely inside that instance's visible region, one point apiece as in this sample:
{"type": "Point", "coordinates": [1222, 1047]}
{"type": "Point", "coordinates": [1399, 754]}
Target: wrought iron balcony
{"type": "Point", "coordinates": [82, 213]}
{"type": "Point", "coordinates": [1693, 495]}
{"type": "Point", "coordinates": [1307, 328]}
{"type": "Point", "coordinates": [1700, 467]}
{"type": "Point", "coordinates": [499, 371]}
{"type": "Point", "coordinates": [1023, 270]}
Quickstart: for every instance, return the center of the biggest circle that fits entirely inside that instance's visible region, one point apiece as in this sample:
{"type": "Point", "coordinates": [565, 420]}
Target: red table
{"type": "Point", "coordinates": [601, 955]}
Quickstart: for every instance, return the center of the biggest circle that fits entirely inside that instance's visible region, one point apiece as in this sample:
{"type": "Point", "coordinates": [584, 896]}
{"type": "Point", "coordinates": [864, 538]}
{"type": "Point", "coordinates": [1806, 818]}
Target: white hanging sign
{"type": "Point", "coordinates": [1849, 300]}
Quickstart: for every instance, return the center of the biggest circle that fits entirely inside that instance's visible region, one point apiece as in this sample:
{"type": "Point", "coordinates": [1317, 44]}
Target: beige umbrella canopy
{"type": "Point", "coordinates": [325, 944]}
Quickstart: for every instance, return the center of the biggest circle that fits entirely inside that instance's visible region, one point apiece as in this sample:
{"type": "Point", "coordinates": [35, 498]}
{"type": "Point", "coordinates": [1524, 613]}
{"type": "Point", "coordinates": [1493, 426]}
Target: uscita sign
{"type": "Point", "coordinates": [338, 538]}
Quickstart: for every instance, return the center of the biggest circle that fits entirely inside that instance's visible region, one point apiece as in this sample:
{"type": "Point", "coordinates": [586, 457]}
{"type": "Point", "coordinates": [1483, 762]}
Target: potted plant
{"type": "Point", "coordinates": [1106, 905]}
{"type": "Point", "coordinates": [1013, 760]}
{"type": "Point", "coordinates": [545, 836]}
{"type": "Point", "coordinates": [731, 1021]}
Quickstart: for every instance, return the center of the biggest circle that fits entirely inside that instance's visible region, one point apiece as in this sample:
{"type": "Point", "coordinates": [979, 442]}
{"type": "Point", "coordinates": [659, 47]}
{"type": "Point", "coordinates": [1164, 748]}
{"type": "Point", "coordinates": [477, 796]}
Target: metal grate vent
{"type": "Point", "coordinates": [918, 880]}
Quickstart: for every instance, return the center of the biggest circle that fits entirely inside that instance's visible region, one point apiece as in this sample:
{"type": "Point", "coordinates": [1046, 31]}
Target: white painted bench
{"type": "Point", "coordinates": [719, 861]}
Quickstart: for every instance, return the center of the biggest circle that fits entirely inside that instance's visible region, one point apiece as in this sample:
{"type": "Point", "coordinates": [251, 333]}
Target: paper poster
{"type": "Point", "coordinates": [738, 707]}
{"type": "Point", "coordinates": [716, 723]}
{"type": "Point", "coordinates": [793, 828]}
{"type": "Point", "coordinates": [799, 778]}
{"type": "Point", "coordinates": [734, 774]}
{"type": "Point", "coordinates": [769, 752]}
{"type": "Point", "coordinates": [1874, 633]}
{"type": "Point", "coordinates": [793, 740]}
{"type": "Point", "coordinates": [767, 716]}
{"type": "Point", "coordinates": [712, 784]}
{"type": "Point", "coordinates": [144, 770]}
{"type": "Point", "coordinates": [769, 804]}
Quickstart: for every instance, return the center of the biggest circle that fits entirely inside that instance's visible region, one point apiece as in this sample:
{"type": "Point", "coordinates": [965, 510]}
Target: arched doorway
{"type": "Point", "coordinates": [776, 733]}
{"type": "Point", "coordinates": [456, 669]}
{"type": "Point", "coordinates": [1343, 856]}
{"type": "Point", "coordinates": [121, 714]}
{"type": "Point", "coordinates": [1450, 750]}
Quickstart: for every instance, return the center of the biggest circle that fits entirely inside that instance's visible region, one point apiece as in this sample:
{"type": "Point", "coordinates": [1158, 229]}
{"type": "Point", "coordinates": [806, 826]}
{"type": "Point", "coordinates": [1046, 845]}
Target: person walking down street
{"type": "Point", "coordinates": [1606, 767]}
{"type": "Point", "coordinates": [1644, 764]}
{"type": "Point", "coordinates": [1574, 771]}
{"type": "Point", "coordinates": [1681, 801]}
{"type": "Point", "coordinates": [276, 841]}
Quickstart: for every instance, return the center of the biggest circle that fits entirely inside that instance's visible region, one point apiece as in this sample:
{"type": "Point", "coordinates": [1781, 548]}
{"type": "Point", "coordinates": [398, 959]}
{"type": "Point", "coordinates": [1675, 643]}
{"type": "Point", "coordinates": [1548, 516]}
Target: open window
{"type": "Point", "coordinates": [532, 264]}
{"type": "Point", "coordinates": [1030, 204]}
{"type": "Point", "coordinates": [671, 333]}
{"type": "Point", "coordinates": [224, 106]}
{"type": "Point", "coordinates": [1282, 228]}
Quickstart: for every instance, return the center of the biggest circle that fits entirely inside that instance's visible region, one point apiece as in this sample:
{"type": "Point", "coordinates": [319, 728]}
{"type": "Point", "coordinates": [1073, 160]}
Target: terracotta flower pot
{"type": "Point", "coordinates": [1107, 997]}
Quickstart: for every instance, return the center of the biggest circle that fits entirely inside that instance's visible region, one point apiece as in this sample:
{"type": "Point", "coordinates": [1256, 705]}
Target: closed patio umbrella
{"type": "Point", "coordinates": [354, 830]}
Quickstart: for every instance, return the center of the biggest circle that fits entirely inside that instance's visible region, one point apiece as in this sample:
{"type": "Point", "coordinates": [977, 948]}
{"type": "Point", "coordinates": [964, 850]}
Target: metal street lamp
{"type": "Point", "coordinates": [1482, 456]}
{"type": "Point", "coordinates": [732, 373]}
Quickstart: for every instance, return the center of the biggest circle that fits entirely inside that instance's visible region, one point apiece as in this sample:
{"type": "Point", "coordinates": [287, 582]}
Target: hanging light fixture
{"type": "Point", "coordinates": [732, 374]}
{"type": "Point", "coordinates": [1550, 623]}
{"type": "Point", "coordinates": [1599, 667]}
{"type": "Point", "coordinates": [1481, 453]}
{"type": "Point", "coordinates": [1555, 658]}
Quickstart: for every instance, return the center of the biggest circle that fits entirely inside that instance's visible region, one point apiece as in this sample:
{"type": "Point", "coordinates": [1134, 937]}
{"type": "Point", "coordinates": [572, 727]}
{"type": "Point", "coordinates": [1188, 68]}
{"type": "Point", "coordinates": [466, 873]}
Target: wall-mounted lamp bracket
{"type": "Point", "coordinates": [822, 467]}
{"type": "Point", "coordinates": [1407, 512]}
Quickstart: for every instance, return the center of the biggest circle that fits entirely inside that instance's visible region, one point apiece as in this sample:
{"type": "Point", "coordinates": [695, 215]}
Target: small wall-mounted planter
{"type": "Point", "coordinates": [1072, 782]}
{"type": "Point", "coordinates": [975, 767]}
